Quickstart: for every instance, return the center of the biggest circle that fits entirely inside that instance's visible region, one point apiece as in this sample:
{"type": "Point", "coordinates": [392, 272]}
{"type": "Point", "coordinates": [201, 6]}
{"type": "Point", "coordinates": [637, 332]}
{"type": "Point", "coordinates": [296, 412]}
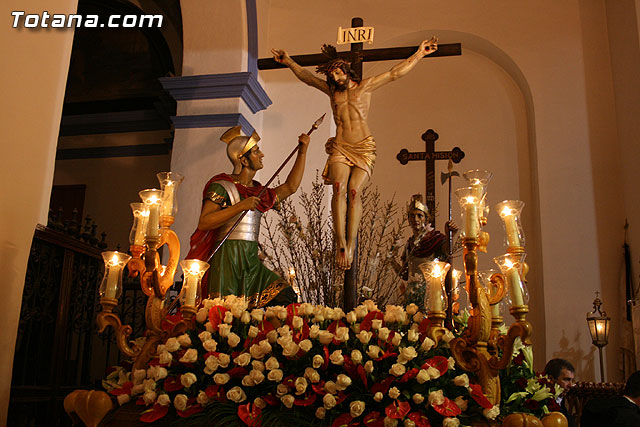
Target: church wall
{"type": "Point", "coordinates": [550, 132]}
{"type": "Point", "coordinates": [31, 110]}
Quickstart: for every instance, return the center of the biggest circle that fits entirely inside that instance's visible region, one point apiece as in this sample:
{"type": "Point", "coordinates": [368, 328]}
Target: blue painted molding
{"type": "Point", "coordinates": [214, 86]}
{"type": "Point", "coordinates": [212, 121]}
{"type": "Point", "coordinates": [115, 151]}
{"type": "Point", "coordinates": [252, 36]}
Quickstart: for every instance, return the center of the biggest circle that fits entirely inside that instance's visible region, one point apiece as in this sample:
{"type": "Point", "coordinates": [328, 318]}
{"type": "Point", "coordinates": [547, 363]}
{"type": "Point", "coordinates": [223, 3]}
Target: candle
{"type": "Point", "coordinates": [495, 310]}
{"type": "Point", "coordinates": [112, 273]}
{"type": "Point", "coordinates": [513, 237]}
{"type": "Point", "coordinates": [191, 285]}
{"type": "Point", "coordinates": [167, 199]}
{"type": "Point", "coordinates": [472, 223]}
{"type": "Point", "coordinates": [154, 219]}
{"type": "Point", "coordinates": [141, 227]}
{"type": "Point", "coordinates": [435, 291]}
{"type": "Point", "coordinates": [513, 279]}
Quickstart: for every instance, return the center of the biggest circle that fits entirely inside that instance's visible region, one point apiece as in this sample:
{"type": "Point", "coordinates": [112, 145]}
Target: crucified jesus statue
{"type": "Point", "coordinates": [352, 152]}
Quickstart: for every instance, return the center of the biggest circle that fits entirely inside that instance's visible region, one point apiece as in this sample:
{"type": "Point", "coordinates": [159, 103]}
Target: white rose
{"type": "Point", "coordinates": [180, 402]}
{"type": "Point", "coordinates": [436, 398]}
{"type": "Point", "coordinates": [448, 336]}
{"type": "Point", "coordinates": [272, 336]}
{"type": "Point", "coordinates": [136, 389]}
{"type": "Point", "coordinates": [330, 387]}
{"type": "Point", "coordinates": [245, 317]}
{"type": "Point", "coordinates": [224, 329]}
{"type": "Point", "coordinates": [247, 381]}
{"type": "Point", "coordinates": [320, 413]}
{"type": "Point", "coordinates": [184, 340]}
{"type": "Point", "coordinates": [190, 356]}
{"type": "Point", "coordinates": [423, 376]}
{"type": "Point", "coordinates": [188, 379]}
{"type": "Point", "coordinates": [492, 412]}
{"type": "Point", "coordinates": [368, 367]}
{"type": "Point", "coordinates": [221, 378]}
{"type": "Point", "coordinates": [417, 398]}
{"type": "Point", "coordinates": [242, 359]}
{"type": "Point", "coordinates": [397, 369]}
{"type": "Point", "coordinates": [325, 337]}
{"type": "Point", "coordinates": [149, 397]}
{"type": "Point", "coordinates": [461, 402]}
{"type": "Point", "coordinates": [394, 393]}
{"type": "Point", "coordinates": [407, 354]}
{"type": "Point", "coordinates": [318, 318]}
{"type": "Point", "coordinates": [202, 398]}
{"type": "Point", "coordinates": [351, 317]}
{"type": "Point", "coordinates": [265, 347]}
{"type": "Point", "coordinates": [413, 335]}
{"type": "Point", "coordinates": [336, 357]}
{"type": "Point", "coordinates": [418, 317]}
{"type": "Point", "coordinates": [260, 402]}
{"type": "Point", "coordinates": [139, 375]}
{"type": "Point", "coordinates": [148, 385]}
{"type": "Point", "coordinates": [305, 345]}
{"type": "Point", "coordinates": [256, 352]}
{"type": "Point", "coordinates": [272, 363]}
{"type": "Point", "coordinates": [433, 373]}
{"type": "Point", "coordinates": [281, 390]}
{"type": "Point", "coordinates": [356, 356]}
{"type": "Point", "coordinates": [165, 358]}
{"type": "Point", "coordinates": [408, 423]}
{"type": "Point", "coordinates": [390, 422]}
{"type": "Point", "coordinates": [290, 349]}
{"type": "Point", "coordinates": [287, 400]}
{"type": "Point", "coordinates": [450, 422]}
{"type": "Point", "coordinates": [356, 408]}
{"type": "Point", "coordinates": [209, 327]}
{"type": "Point", "coordinates": [204, 335]}
{"type": "Point", "coordinates": [210, 345]}
{"type": "Point", "coordinates": [378, 396]}
{"type": "Point", "coordinates": [383, 334]}
{"type": "Point", "coordinates": [284, 331]}
{"type": "Point", "coordinates": [297, 322]}
{"type": "Point", "coordinates": [257, 314]}
{"type": "Point", "coordinates": [236, 394]}
{"type": "Point", "coordinates": [364, 337]}
{"type": "Point", "coordinates": [300, 385]}
{"type": "Point", "coordinates": [172, 344]}
{"type": "Point", "coordinates": [312, 375]}
{"type": "Point", "coordinates": [275, 375]}
{"type": "Point", "coordinates": [376, 324]}
{"type": "Point", "coordinates": [224, 360]}
{"type": "Point", "coordinates": [257, 365]}
{"type": "Point", "coordinates": [211, 364]}
{"type": "Point", "coordinates": [342, 334]}
{"type": "Point", "coordinates": [452, 362]}
{"type": "Point", "coordinates": [373, 351]}
{"type": "Point", "coordinates": [164, 400]}
{"type": "Point", "coordinates": [329, 401]}
{"type": "Point", "coordinates": [314, 330]}
{"type": "Point", "coordinates": [342, 382]}
{"type": "Point", "coordinates": [228, 317]}
{"type": "Point", "coordinates": [257, 376]}
{"type": "Point", "coordinates": [397, 338]}
{"type": "Point", "coordinates": [461, 380]}
{"type": "Point", "coordinates": [317, 361]}
{"type": "Point", "coordinates": [233, 339]}
{"type": "Point", "coordinates": [361, 312]}
{"type": "Point", "coordinates": [427, 344]}
{"type": "Point", "coordinates": [123, 398]}
{"type": "Point", "coordinates": [253, 331]}
{"type": "Point", "coordinates": [412, 309]}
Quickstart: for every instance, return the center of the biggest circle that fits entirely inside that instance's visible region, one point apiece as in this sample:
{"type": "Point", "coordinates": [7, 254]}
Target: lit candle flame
{"type": "Point", "coordinates": [509, 264]}
{"type": "Point", "coordinates": [507, 211]}
{"type": "Point", "coordinates": [471, 199]}
{"type": "Point", "coordinates": [437, 271]}
{"type": "Point", "coordinates": [194, 268]}
{"type": "Point", "coordinates": [456, 274]}
{"type": "Point", "coordinates": [114, 260]}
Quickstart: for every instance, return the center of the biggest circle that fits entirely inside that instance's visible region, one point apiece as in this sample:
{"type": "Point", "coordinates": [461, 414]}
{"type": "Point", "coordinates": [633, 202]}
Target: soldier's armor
{"type": "Point", "coordinates": [249, 227]}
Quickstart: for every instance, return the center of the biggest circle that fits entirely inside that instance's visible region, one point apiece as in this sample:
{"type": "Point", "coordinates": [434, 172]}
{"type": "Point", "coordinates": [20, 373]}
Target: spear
{"type": "Point", "coordinates": [314, 126]}
{"type": "Point", "coordinates": [443, 178]}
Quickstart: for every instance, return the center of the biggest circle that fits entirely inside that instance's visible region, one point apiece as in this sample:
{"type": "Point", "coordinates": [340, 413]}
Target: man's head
{"type": "Point", "coordinates": [338, 70]}
{"type": "Point", "coordinates": [417, 213]}
{"type": "Point", "coordinates": [632, 387]}
{"type": "Point", "coordinates": [252, 159]}
{"type": "Point", "coordinates": [239, 146]}
{"type": "Point", "coordinates": [561, 372]}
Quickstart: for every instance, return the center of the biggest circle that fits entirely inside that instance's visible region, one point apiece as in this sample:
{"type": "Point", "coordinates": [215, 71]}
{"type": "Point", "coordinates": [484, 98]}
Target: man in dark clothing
{"type": "Point", "coordinates": [562, 372]}
{"type": "Point", "coordinates": [618, 411]}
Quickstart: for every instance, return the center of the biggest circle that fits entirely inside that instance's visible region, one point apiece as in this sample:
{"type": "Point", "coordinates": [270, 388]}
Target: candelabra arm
{"type": "Point", "coordinates": [169, 238]}
{"type": "Point", "coordinates": [147, 352]}
{"type": "Point", "coordinates": [107, 318]}
{"type": "Point", "coordinates": [154, 313]}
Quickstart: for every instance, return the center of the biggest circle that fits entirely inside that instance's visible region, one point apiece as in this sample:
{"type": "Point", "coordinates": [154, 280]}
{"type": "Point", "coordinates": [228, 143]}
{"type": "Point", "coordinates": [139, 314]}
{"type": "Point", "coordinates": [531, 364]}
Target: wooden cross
{"type": "Point", "coordinates": [429, 156]}
{"type": "Point", "coordinates": [370, 55]}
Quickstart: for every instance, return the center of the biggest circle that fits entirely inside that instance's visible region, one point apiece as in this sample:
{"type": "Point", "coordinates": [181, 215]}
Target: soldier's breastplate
{"type": "Point", "coordinates": [249, 228]}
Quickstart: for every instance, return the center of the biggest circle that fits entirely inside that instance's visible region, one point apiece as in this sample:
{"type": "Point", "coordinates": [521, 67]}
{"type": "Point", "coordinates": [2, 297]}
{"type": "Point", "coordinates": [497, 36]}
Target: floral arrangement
{"type": "Point", "coordinates": [525, 391]}
{"type": "Point", "coordinates": [305, 365]}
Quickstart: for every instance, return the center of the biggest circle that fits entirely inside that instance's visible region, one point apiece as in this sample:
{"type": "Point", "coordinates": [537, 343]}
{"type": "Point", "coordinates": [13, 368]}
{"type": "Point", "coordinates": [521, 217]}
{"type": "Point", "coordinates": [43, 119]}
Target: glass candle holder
{"type": "Point", "coordinates": [511, 267]}
{"type": "Point", "coordinates": [152, 199]}
{"type": "Point", "coordinates": [469, 211]}
{"type": "Point", "coordinates": [478, 180]}
{"type": "Point", "coordinates": [193, 270]}
{"type": "Point", "coordinates": [434, 273]}
{"type": "Point", "coordinates": [509, 211]}
{"type": "Point", "coordinates": [139, 228]}
{"type": "Point", "coordinates": [114, 262]}
{"type": "Point", "coordinates": [458, 294]}
{"type": "Point", "coordinates": [169, 182]}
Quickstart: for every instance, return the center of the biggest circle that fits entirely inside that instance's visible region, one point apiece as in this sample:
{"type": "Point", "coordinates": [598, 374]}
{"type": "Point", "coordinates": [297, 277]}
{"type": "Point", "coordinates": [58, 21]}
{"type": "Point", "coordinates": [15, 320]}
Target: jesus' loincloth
{"type": "Point", "coordinates": [359, 154]}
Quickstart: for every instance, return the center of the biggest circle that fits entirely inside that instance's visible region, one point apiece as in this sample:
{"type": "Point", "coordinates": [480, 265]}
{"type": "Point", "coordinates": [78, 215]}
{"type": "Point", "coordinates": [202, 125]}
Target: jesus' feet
{"type": "Point", "coordinates": [341, 258]}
